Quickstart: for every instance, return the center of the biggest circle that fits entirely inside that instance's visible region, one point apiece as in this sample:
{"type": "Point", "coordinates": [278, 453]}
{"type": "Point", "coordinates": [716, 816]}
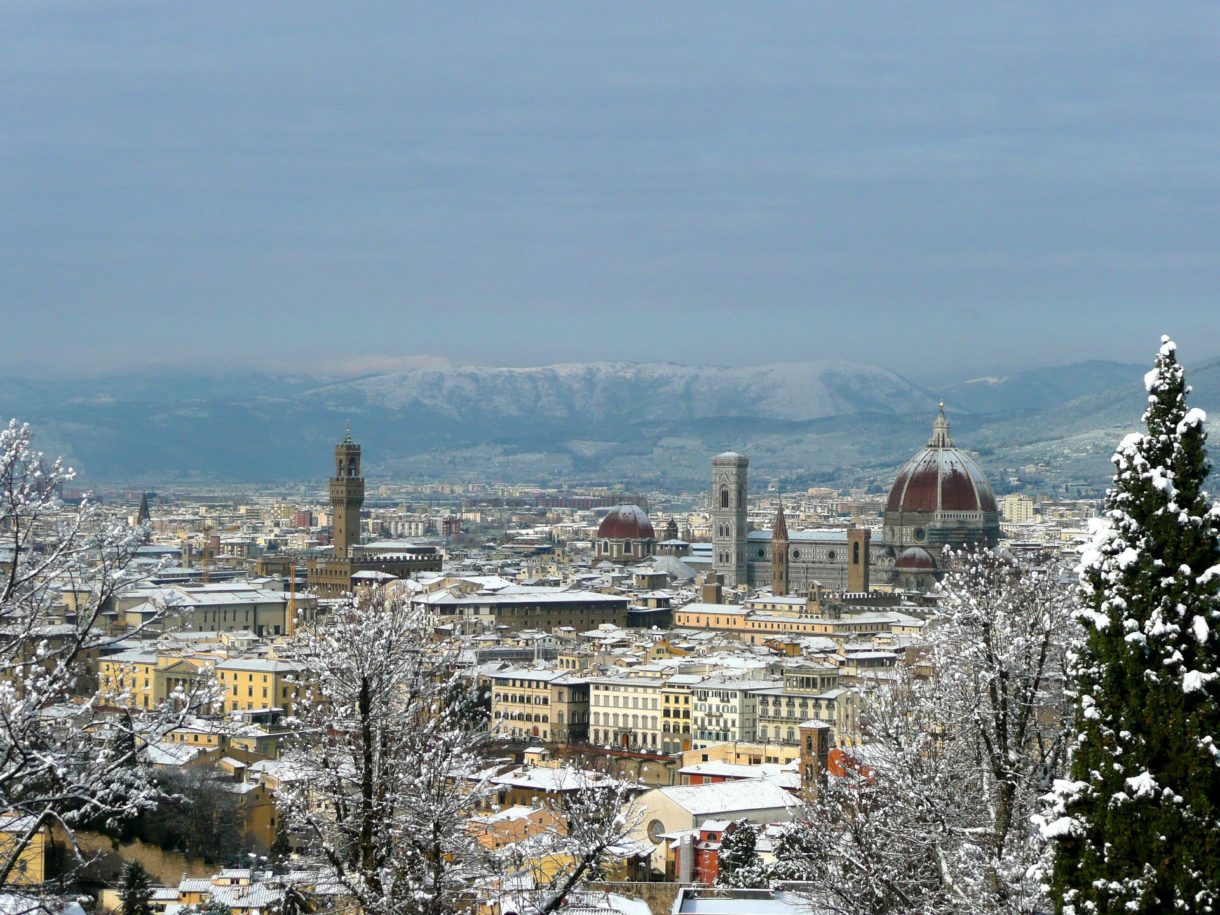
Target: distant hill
{"type": "Point", "coordinates": [600, 422]}
{"type": "Point", "coordinates": [1039, 389]}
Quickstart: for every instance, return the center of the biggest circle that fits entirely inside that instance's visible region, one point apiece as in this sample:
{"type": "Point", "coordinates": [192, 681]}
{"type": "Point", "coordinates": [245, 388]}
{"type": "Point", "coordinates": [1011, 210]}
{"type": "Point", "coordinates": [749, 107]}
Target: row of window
{"type": "Point", "coordinates": [628, 721]}
{"type": "Point", "coordinates": [636, 740]}
{"type": "Point", "coordinates": [522, 700]}
{"type": "Point", "coordinates": [613, 701]}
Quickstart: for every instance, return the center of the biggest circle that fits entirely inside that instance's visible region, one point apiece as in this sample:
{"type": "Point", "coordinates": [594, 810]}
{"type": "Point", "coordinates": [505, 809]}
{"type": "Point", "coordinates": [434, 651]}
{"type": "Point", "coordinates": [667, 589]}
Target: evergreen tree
{"type": "Point", "coordinates": [740, 865]}
{"type": "Point", "coordinates": [793, 851]}
{"type": "Point", "coordinates": [1136, 826]}
{"type": "Point", "coordinates": [135, 891]}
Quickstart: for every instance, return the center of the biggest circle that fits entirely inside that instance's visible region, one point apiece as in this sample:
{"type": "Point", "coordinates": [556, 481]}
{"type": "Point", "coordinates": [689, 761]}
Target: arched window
{"type": "Point", "coordinates": [724, 497]}
{"type": "Point", "coordinates": [855, 553]}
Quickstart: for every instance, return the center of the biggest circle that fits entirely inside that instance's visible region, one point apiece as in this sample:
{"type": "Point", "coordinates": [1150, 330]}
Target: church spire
{"type": "Point", "coordinates": [142, 516]}
{"type": "Point", "coordinates": [780, 528]}
{"type": "Point", "coordinates": [940, 431]}
{"type": "Point", "coordinates": [779, 553]}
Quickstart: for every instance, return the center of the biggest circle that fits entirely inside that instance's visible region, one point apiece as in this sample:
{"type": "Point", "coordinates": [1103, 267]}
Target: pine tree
{"type": "Point", "coordinates": [135, 891]}
{"type": "Point", "coordinates": [740, 865]}
{"type": "Point", "coordinates": [1136, 826]}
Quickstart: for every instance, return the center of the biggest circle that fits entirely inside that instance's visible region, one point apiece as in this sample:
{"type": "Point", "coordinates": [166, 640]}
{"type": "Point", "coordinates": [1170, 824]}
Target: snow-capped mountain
{"type": "Point", "coordinates": [605, 391]}
{"type": "Point", "coordinates": [825, 421]}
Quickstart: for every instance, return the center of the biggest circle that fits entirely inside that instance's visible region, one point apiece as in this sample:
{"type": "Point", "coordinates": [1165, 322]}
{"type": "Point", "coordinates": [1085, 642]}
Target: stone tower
{"type": "Point", "coordinates": [857, 559]}
{"type": "Point", "coordinates": [346, 495]}
{"type": "Point", "coordinates": [779, 553]}
{"type": "Point", "coordinates": [729, 479]}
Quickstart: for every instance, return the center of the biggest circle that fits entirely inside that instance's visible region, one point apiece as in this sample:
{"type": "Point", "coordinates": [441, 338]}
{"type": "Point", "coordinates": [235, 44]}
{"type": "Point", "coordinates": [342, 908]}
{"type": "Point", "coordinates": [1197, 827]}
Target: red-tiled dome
{"type": "Point", "coordinates": [915, 557]}
{"type": "Point", "coordinates": [626, 522]}
{"type": "Point", "coordinates": [941, 478]}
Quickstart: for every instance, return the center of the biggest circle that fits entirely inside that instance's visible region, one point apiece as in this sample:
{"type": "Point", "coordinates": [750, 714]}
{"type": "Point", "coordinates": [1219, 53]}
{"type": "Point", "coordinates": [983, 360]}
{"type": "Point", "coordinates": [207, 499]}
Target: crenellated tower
{"type": "Point", "coordinates": [346, 495]}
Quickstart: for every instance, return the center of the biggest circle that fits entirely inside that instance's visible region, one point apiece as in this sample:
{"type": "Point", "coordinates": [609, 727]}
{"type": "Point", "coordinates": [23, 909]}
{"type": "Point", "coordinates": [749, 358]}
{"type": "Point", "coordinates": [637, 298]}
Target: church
{"type": "Point", "coordinates": [939, 499]}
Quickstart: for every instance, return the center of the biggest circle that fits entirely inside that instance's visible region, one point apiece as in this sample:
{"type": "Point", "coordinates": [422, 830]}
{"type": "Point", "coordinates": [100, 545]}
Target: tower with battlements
{"type": "Point", "coordinates": [346, 495]}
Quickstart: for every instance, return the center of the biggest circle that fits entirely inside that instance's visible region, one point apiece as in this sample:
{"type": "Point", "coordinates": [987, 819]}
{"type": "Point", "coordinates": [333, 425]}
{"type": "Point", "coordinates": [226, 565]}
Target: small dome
{"type": "Point", "coordinates": [915, 557]}
{"type": "Point", "coordinates": [626, 522]}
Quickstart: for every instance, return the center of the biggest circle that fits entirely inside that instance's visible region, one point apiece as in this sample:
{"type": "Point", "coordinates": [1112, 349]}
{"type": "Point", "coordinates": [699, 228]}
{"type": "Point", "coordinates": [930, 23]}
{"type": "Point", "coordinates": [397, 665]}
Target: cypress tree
{"type": "Point", "coordinates": [1136, 826]}
{"type": "Point", "coordinates": [135, 891]}
{"type": "Point", "coordinates": [739, 863]}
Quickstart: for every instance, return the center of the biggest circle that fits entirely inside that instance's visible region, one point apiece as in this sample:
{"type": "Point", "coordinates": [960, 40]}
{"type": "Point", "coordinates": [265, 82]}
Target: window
{"type": "Point", "coordinates": [724, 498]}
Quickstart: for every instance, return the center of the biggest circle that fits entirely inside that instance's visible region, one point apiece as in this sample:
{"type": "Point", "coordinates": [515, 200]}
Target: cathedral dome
{"type": "Point", "coordinates": [941, 478]}
{"type": "Point", "coordinates": [626, 522]}
{"type": "Point", "coordinates": [915, 557]}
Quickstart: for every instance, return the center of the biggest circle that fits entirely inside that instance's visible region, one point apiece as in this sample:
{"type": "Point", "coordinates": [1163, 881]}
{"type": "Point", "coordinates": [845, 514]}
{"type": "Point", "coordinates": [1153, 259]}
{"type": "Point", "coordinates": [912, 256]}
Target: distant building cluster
{"type": "Point", "coordinates": [711, 647]}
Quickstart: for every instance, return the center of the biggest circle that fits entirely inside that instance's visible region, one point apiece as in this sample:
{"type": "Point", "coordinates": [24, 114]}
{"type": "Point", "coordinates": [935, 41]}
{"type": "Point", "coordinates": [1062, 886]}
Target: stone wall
{"type": "Point", "coordinates": [659, 896]}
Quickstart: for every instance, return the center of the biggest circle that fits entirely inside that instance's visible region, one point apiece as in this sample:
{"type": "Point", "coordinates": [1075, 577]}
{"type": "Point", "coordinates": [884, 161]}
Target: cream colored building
{"type": "Point", "coordinates": [807, 692]}
{"type": "Point", "coordinates": [1016, 508]}
{"type": "Point", "coordinates": [726, 709]}
{"type": "Point", "coordinates": [625, 712]}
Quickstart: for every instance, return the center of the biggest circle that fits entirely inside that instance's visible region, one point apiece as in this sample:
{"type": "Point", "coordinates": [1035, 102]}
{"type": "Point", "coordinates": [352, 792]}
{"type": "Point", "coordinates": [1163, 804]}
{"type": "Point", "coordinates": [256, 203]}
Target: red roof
{"type": "Point", "coordinates": [944, 479]}
{"type": "Point", "coordinates": [915, 557]}
{"type": "Point", "coordinates": [626, 522]}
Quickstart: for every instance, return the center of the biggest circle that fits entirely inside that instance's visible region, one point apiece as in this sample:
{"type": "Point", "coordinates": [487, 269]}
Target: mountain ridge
{"type": "Point", "coordinates": [648, 422]}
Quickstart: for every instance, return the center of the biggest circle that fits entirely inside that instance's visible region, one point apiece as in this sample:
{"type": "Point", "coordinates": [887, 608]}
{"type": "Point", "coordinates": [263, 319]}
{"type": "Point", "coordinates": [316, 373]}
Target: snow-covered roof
{"type": "Point", "coordinates": [729, 797]}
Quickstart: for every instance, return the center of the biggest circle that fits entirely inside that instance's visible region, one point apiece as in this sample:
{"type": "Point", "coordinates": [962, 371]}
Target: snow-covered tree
{"type": "Point", "coordinates": [60, 566]}
{"type": "Point", "coordinates": [1137, 825]}
{"type": "Point", "coordinates": [739, 863]}
{"type": "Point", "coordinates": [135, 890]}
{"type": "Point", "coordinates": [934, 815]}
{"type": "Point", "coordinates": [383, 760]}
{"type": "Point", "coordinates": [594, 820]}
{"type": "Point", "coordinates": [390, 757]}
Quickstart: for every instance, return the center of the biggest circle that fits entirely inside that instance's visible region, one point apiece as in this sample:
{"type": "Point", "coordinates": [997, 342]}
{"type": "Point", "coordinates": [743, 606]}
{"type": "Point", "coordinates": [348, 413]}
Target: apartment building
{"type": "Point", "coordinates": [727, 709]}
{"type": "Point", "coordinates": [626, 712]}
{"type": "Point", "coordinates": [542, 704]}
{"type": "Point", "coordinates": [806, 693]}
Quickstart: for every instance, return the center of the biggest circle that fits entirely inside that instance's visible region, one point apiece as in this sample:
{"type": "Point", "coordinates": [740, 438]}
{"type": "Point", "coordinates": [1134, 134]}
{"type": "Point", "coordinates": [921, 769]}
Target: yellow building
{"type": "Point", "coordinates": [250, 684]}
{"type": "Point", "coordinates": [545, 705]}
{"type": "Point", "coordinates": [676, 713]}
{"type": "Point", "coordinates": [742, 754]}
{"type": "Point", "coordinates": [31, 865]}
{"type": "Point", "coordinates": [144, 680]}
{"type": "Point", "coordinates": [513, 824]}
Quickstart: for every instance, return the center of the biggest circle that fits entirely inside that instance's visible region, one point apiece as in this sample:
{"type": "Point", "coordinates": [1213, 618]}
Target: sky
{"type": "Point", "coordinates": [942, 189]}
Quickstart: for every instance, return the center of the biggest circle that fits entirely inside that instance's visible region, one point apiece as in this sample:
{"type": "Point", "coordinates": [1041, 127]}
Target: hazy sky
{"type": "Point", "coordinates": [939, 188]}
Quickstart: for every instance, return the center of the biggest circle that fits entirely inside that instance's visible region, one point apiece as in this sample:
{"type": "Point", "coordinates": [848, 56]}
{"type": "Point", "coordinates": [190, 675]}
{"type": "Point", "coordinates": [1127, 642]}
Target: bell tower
{"type": "Point", "coordinates": [779, 554]}
{"type": "Point", "coordinates": [729, 530]}
{"type": "Point", "coordinates": [346, 495]}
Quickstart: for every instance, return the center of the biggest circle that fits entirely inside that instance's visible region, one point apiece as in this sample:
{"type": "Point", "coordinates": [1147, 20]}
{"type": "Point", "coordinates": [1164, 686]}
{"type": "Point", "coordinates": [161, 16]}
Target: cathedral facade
{"type": "Point", "coordinates": [940, 498]}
